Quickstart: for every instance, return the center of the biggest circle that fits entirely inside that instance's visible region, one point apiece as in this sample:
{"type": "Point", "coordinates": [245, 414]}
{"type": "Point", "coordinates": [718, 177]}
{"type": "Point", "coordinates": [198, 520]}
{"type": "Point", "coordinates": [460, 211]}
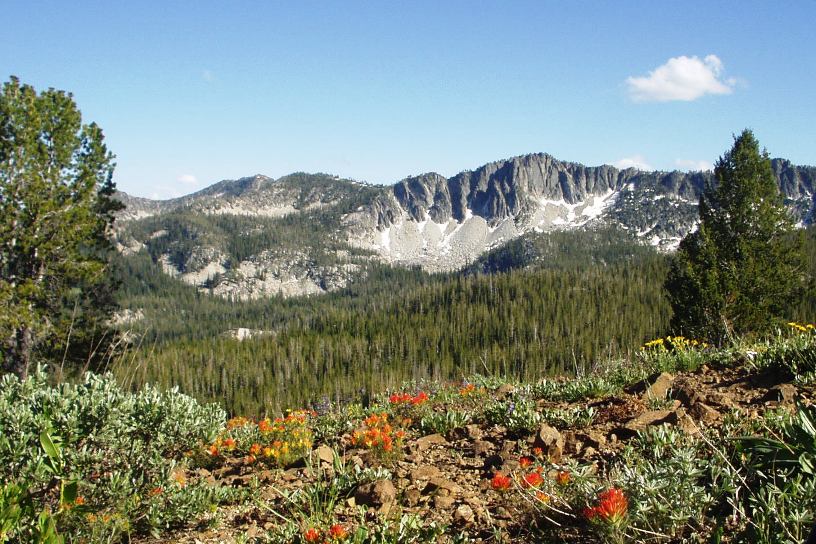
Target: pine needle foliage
{"type": "Point", "coordinates": [55, 220]}
{"type": "Point", "coordinates": [744, 265]}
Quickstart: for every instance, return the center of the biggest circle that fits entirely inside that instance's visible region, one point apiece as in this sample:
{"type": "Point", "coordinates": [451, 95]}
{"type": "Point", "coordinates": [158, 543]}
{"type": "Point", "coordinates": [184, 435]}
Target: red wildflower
{"type": "Point", "coordinates": [500, 482]}
{"type": "Point", "coordinates": [156, 491]}
{"type": "Point", "coordinates": [533, 479]}
{"type": "Point", "coordinates": [563, 477]}
{"type": "Point", "coordinates": [229, 443]}
{"type": "Point", "coordinates": [311, 535]}
{"type": "Point", "coordinates": [538, 452]}
{"type": "Point", "coordinates": [420, 398]}
{"type": "Point", "coordinates": [213, 450]}
{"type": "Point", "coordinates": [255, 449]}
{"type": "Point", "coordinates": [525, 462]}
{"type": "Point", "coordinates": [612, 507]}
{"type": "Point", "coordinates": [337, 532]}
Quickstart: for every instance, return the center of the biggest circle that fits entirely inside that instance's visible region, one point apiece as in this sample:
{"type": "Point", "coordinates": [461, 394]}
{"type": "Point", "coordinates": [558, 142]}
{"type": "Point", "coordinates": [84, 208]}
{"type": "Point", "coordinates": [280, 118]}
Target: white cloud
{"type": "Point", "coordinates": [187, 179]}
{"type": "Point", "coordinates": [636, 161]}
{"type": "Point", "coordinates": [692, 165]}
{"type": "Point", "coordinates": [681, 78]}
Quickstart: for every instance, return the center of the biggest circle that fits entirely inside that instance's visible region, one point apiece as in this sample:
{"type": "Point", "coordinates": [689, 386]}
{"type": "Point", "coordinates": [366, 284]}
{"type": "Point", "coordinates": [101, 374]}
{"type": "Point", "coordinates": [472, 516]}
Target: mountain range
{"type": "Point", "coordinates": [313, 233]}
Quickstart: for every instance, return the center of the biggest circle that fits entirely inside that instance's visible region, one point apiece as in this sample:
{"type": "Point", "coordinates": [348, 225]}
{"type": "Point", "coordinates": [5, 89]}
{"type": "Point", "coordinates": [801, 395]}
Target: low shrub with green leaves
{"type": "Point", "coordinates": [780, 478]}
{"type": "Point", "coordinates": [101, 459]}
{"type": "Point", "coordinates": [444, 422]}
{"type": "Point", "coordinates": [518, 414]}
{"type": "Point", "coordinates": [665, 474]}
{"type": "Point", "coordinates": [792, 351]}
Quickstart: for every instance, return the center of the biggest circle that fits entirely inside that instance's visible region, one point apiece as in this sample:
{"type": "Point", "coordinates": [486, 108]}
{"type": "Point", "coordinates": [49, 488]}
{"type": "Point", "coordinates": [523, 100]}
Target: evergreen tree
{"type": "Point", "coordinates": [56, 213]}
{"type": "Point", "coordinates": [744, 265]}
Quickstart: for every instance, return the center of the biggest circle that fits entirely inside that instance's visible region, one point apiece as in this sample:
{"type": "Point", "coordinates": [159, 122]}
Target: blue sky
{"type": "Point", "coordinates": [189, 93]}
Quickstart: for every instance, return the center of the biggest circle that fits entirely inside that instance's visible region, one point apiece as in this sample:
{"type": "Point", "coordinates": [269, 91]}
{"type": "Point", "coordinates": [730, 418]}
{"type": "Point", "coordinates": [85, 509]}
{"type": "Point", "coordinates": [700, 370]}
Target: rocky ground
{"type": "Point", "coordinates": [448, 478]}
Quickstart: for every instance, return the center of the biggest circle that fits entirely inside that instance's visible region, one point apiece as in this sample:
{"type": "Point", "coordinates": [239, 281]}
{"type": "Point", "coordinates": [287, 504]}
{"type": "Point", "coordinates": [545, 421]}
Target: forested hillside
{"type": "Point", "coordinates": [541, 305]}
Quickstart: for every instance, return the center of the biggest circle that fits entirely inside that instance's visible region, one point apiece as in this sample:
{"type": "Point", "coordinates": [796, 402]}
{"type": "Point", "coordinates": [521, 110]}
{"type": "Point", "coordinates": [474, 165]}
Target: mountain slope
{"type": "Point", "coordinates": [435, 222]}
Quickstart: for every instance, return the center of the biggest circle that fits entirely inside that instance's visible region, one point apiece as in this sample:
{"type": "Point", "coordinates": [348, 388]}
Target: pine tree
{"type": "Point", "coordinates": [56, 214]}
{"type": "Point", "coordinates": [744, 265]}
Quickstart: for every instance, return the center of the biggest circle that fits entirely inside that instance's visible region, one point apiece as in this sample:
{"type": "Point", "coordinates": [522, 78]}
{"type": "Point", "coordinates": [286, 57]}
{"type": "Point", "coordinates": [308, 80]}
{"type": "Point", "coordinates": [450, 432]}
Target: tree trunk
{"type": "Point", "coordinates": [18, 357]}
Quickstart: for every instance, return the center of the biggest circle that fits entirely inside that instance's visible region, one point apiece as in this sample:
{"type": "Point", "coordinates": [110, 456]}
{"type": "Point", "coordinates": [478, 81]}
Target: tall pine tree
{"type": "Point", "coordinates": [56, 214]}
{"type": "Point", "coordinates": [744, 265]}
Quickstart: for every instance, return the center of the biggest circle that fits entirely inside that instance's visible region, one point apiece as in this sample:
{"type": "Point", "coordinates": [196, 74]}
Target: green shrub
{"type": "Point", "coordinates": [794, 353]}
{"type": "Point", "coordinates": [518, 414]}
{"type": "Point", "coordinates": [664, 472]}
{"type": "Point", "coordinates": [91, 451]}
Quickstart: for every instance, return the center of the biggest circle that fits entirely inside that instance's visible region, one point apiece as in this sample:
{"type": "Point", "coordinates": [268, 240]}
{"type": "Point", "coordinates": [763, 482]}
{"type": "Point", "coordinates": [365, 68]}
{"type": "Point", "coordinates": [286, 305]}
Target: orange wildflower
{"type": "Point", "coordinates": [500, 482]}
{"type": "Point", "coordinates": [467, 390]}
{"type": "Point", "coordinates": [311, 535]}
{"type": "Point", "coordinates": [543, 497]}
{"type": "Point", "coordinates": [338, 532]}
{"type": "Point", "coordinates": [525, 462]}
{"type": "Point", "coordinates": [563, 477]}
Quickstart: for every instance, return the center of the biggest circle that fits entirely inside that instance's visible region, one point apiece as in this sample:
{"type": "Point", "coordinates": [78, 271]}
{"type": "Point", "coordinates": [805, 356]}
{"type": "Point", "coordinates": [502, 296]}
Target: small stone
{"type": "Point", "coordinates": [704, 413]}
{"type": "Point", "coordinates": [380, 494]}
{"type": "Point", "coordinates": [686, 391]}
{"type": "Point", "coordinates": [442, 484]}
{"type": "Point", "coordinates": [325, 454]}
{"type": "Point", "coordinates": [474, 432]}
{"type": "Point", "coordinates": [659, 387]}
{"type": "Point", "coordinates": [784, 393]}
{"type": "Point", "coordinates": [550, 441]}
{"type": "Point", "coordinates": [443, 502]}
{"type": "Point", "coordinates": [426, 442]}
{"type": "Point", "coordinates": [412, 496]}
{"type": "Point", "coordinates": [505, 390]}
{"type": "Point", "coordinates": [464, 514]}
{"type": "Point", "coordinates": [482, 448]}
{"type": "Point", "coordinates": [646, 419]}
{"type": "Point", "coordinates": [425, 472]}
